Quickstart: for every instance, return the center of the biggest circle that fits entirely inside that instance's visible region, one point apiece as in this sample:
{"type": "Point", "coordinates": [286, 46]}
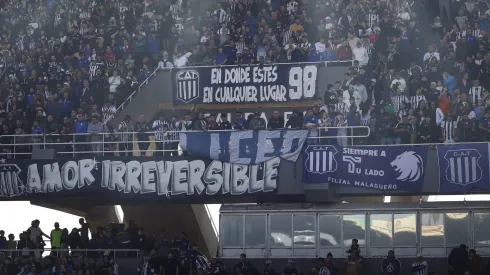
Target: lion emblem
{"type": "Point", "coordinates": [409, 166]}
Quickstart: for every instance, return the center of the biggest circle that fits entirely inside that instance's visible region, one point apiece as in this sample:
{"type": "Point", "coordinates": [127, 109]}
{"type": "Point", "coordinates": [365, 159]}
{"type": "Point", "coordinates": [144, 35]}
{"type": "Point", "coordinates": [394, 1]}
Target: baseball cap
{"type": "Point", "coordinates": [419, 255]}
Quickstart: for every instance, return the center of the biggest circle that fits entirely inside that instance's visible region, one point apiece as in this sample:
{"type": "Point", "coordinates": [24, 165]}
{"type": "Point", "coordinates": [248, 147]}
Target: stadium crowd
{"type": "Point", "coordinates": [66, 66]}
{"type": "Point", "coordinates": [79, 252]}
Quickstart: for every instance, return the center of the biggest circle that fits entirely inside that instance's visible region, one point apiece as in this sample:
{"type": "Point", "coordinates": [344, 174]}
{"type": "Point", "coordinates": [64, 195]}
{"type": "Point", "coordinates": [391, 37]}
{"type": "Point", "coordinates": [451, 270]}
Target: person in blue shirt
{"type": "Point", "coordinates": [239, 123]}
{"type": "Point", "coordinates": [311, 122]}
{"type": "Point", "coordinates": [231, 51]}
{"type": "Point", "coordinates": [221, 58]}
{"type": "Point", "coordinates": [80, 127]}
{"type": "Point", "coordinates": [484, 126]}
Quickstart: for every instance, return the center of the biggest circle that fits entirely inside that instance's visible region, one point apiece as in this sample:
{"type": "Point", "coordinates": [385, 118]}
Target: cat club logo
{"type": "Point", "coordinates": [10, 183]}
{"type": "Point", "coordinates": [463, 166]}
{"type": "Point", "coordinates": [321, 159]}
{"type": "Point", "coordinates": [187, 85]}
{"type": "Point", "coordinates": [409, 166]}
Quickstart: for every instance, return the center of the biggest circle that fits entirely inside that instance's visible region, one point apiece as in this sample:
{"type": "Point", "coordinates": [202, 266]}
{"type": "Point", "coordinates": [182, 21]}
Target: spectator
{"type": "Point", "coordinates": [257, 123]}
{"type": "Point", "coordinates": [276, 121]}
{"type": "Point", "coordinates": [391, 265]}
{"type": "Point", "coordinates": [420, 266]}
{"type": "Point", "coordinates": [95, 129]}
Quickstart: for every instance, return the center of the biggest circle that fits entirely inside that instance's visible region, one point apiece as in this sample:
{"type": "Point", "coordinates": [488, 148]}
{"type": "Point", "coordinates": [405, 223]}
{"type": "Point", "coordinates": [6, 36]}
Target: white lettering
{"type": "Point", "coordinates": [70, 175]}
{"type": "Point", "coordinates": [33, 179]}
{"type": "Point", "coordinates": [133, 171]}
{"type": "Point", "coordinates": [149, 169]}
{"type": "Point", "coordinates": [51, 178]}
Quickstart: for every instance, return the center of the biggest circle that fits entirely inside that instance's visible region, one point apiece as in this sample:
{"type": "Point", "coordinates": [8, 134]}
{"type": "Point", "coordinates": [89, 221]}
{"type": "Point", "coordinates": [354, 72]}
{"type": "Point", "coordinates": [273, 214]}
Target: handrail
{"type": "Point", "coordinates": [130, 97]}
{"type": "Point", "coordinates": [243, 65]}
{"type": "Point", "coordinates": [113, 252]}
{"type": "Point", "coordinates": [80, 143]}
{"type": "Point", "coordinates": [74, 250]}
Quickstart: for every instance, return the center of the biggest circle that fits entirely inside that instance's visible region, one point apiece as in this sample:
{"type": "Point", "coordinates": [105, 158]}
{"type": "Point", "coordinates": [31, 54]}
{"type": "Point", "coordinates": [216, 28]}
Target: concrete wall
{"type": "Point", "coordinates": [153, 217]}
{"type": "Point", "coordinates": [370, 266]}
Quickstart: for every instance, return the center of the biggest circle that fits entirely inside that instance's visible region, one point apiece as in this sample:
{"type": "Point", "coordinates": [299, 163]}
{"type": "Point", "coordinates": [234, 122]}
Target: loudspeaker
{"type": "Point", "coordinates": [38, 153]}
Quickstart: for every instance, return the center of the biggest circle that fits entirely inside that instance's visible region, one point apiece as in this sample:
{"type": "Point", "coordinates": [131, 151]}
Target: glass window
{"type": "Point", "coordinates": [354, 227]}
{"type": "Point", "coordinates": [281, 230]}
{"type": "Point", "coordinates": [304, 230]}
{"type": "Point", "coordinates": [330, 230]}
{"type": "Point", "coordinates": [255, 230]}
{"type": "Point", "coordinates": [432, 229]}
{"type": "Point", "coordinates": [381, 230]}
{"type": "Point", "coordinates": [481, 228]}
{"type": "Point", "coordinates": [405, 226]}
{"type": "Point", "coordinates": [456, 228]}
{"type": "Point", "coordinates": [232, 227]}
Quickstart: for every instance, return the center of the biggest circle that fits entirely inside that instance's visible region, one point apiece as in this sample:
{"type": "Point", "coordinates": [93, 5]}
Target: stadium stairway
{"type": "Point", "coordinates": [146, 100]}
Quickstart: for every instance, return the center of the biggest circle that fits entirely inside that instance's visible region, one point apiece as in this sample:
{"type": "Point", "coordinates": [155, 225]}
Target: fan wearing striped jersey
{"type": "Point", "coordinates": [420, 266]}
{"type": "Point", "coordinates": [449, 127]}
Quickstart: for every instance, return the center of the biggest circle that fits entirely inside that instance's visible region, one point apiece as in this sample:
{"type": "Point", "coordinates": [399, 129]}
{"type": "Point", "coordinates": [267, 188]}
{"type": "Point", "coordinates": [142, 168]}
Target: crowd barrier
{"type": "Point", "coordinates": [127, 143]}
{"type": "Point", "coordinates": [112, 252]}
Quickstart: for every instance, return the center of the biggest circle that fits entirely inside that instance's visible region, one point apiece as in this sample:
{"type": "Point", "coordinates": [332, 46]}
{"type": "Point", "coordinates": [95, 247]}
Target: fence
{"type": "Point", "coordinates": [80, 253]}
{"type": "Point", "coordinates": [121, 143]}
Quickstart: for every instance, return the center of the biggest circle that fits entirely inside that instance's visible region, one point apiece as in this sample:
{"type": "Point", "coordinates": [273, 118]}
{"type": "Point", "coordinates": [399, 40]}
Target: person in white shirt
{"type": "Point", "coordinates": [400, 82]}
{"type": "Point", "coordinates": [403, 15]}
{"type": "Point", "coordinates": [114, 81]}
{"type": "Point", "coordinates": [431, 54]}
{"type": "Point", "coordinates": [182, 61]}
{"type": "Point", "coordinates": [360, 54]}
{"type": "Point", "coordinates": [328, 23]}
{"type": "Point", "coordinates": [320, 46]}
{"type": "Point", "coordinates": [353, 40]}
{"type": "Point", "coordinates": [165, 63]}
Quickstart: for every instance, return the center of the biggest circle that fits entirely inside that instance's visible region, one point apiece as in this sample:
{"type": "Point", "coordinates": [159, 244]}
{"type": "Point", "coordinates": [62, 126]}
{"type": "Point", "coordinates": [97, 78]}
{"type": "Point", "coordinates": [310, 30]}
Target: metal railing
{"type": "Point", "coordinates": [126, 143]}
{"type": "Point", "coordinates": [112, 252]}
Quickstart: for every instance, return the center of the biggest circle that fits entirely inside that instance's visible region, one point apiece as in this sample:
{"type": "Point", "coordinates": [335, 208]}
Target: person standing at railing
{"type": "Point", "coordinates": [276, 121]}
{"type": "Point", "coordinates": [239, 123]}
{"type": "Point", "coordinates": [311, 122]}
{"type": "Point", "coordinates": [257, 123]}
{"type": "Point", "coordinates": [56, 236]}
{"type": "Point", "coordinates": [125, 128]}
{"type": "Point", "coordinates": [96, 129]}
{"type": "Point", "coordinates": [80, 127]}
{"type": "Point", "coordinates": [157, 126]}
{"type": "Point", "coordinates": [143, 137]}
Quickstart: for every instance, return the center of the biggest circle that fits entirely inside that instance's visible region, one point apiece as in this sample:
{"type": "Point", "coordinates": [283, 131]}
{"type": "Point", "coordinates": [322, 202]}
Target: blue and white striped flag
{"type": "Point", "coordinates": [245, 147]}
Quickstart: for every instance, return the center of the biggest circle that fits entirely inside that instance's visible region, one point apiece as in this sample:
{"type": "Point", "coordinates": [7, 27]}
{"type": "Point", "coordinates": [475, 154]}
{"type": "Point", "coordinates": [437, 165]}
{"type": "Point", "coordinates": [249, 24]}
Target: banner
{"type": "Point", "coordinates": [244, 147]}
{"type": "Point", "coordinates": [463, 168]}
{"type": "Point", "coordinates": [244, 84]}
{"type": "Point", "coordinates": [390, 168]}
{"type": "Point", "coordinates": [113, 177]}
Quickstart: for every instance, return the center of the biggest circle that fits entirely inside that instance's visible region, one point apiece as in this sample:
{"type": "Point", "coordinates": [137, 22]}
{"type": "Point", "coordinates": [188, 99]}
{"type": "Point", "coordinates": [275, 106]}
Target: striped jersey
{"type": "Point", "coordinates": [448, 128]}
{"type": "Point", "coordinates": [365, 120]}
{"type": "Point", "coordinates": [475, 94]}
{"type": "Point", "coordinates": [324, 271]}
{"type": "Point", "coordinates": [420, 268]}
{"type": "Point", "coordinates": [221, 16]}
{"type": "Point", "coordinates": [158, 127]}
{"type": "Point", "coordinates": [398, 100]}
{"type": "Point", "coordinates": [373, 20]}
{"type": "Point", "coordinates": [416, 99]}
{"type": "Point", "coordinates": [125, 128]}
{"type": "Point", "coordinates": [92, 71]}
{"type": "Point", "coordinates": [108, 112]}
